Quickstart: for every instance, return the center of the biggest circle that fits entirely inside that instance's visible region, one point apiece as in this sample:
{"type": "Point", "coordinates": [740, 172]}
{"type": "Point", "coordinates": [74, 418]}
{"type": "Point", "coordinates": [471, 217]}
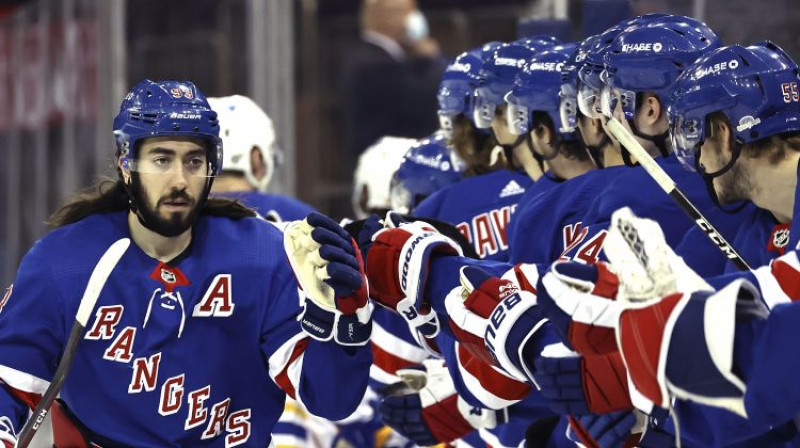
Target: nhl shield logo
{"type": "Point", "coordinates": [168, 276]}
{"type": "Point", "coordinates": [779, 239]}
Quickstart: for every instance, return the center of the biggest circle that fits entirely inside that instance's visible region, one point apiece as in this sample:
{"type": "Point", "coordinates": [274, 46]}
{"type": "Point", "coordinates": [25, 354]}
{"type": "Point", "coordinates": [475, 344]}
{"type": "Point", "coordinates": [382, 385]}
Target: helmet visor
{"type": "Point", "coordinates": [191, 165]}
{"type": "Point", "coordinates": [402, 199]}
{"type": "Point", "coordinates": [611, 97]}
{"type": "Point", "coordinates": [588, 100]}
{"type": "Point", "coordinates": [687, 134]}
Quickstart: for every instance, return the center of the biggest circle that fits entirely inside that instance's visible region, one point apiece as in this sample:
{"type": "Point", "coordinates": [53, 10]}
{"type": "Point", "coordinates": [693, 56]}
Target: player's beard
{"type": "Point", "coordinates": [733, 186]}
{"type": "Point", "coordinates": [169, 225]}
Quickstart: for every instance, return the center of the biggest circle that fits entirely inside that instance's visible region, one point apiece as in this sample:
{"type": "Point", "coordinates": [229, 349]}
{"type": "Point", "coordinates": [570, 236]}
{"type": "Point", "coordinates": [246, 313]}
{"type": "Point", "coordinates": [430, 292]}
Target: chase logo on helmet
{"type": "Point", "coordinates": [716, 68]}
{"type": "Point", "coordinates": [509, 62]}
{"type": "Point", "coordinates": [631, 48]}
{"type": "Point", "coordinates": [544, 66]}
{"type": "Point", "coordinates": [459, 67]}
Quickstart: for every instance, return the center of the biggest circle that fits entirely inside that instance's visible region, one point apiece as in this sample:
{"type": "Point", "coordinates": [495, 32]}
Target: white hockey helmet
{"type": "Point", "coordinates": [376, 165]}
{"type": "Point", "coordinates": [244, 126]}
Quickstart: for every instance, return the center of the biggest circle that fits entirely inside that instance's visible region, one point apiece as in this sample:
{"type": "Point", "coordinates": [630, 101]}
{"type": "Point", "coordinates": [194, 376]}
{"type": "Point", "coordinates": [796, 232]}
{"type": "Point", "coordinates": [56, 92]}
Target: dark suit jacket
{"type": "Point", "coordinates": [380, 96]}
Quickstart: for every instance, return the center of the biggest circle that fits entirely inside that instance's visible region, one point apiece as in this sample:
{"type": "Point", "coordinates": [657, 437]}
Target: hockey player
{"type": "Point", "coordinates": [542, 108]}
{"type": "Point", "coordinates": [373, 175]}
{"type": "Point", "coordinates": [447, 268]}
{"type": "Point", "coordinates": [733, 120]}
{"type": "Point", "coordinates": [427, 167]}
{"type": "Point", "coordinates": [249, 159]}
{"type": "Point", "coordinates": [194, 339]}
{"type": "Point", "coordinates": [493, 189]}
{"type": "Point", "coordinates": [496, 79]}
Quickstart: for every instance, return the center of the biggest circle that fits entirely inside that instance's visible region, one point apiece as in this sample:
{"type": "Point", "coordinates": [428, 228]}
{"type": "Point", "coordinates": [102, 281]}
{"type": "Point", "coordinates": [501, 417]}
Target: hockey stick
{"type": "Point", "coordinates": [668, 185]}
{"type": "Point", "coordinates": [96, 282]}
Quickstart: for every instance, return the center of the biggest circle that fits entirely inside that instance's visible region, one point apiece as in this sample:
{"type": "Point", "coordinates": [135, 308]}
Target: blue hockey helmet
{"type": "Point", "coordinates": [592, 64]}
{"type": "Point", "coordinates": [538, 42]}
{"type": "Point", "coordinates": [540, 86]}
{"type": "Point", "coordinates": [649, 58]}
{"type": "Point", "coordinates": [427, 167]}
{"type": "Point", "coordinates": [167, 108]}
{"type": "Point", "coordinates": [755, 87]}
{"type": "Point", "coordinates": [497, 75]}
{"type": "Point", "coordinates": [456, 89]}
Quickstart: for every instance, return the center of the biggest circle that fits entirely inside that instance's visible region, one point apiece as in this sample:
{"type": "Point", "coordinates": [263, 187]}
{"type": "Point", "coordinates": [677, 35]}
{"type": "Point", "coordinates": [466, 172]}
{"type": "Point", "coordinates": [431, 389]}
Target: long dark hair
{"type": "Point", "coordinates": [109, 195]}
{"type": "Point", "coordinates": [474, 148]}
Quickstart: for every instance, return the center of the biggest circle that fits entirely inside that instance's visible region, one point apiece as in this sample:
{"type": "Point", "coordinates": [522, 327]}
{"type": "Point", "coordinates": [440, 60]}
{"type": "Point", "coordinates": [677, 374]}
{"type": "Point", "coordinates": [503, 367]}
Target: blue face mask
{"type": "Point", "coordinates": [416, 26]}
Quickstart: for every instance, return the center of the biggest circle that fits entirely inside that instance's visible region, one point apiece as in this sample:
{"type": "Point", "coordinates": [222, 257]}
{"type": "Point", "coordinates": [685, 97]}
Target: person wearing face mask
{"type": "Point", "coordinates": [389, 78]}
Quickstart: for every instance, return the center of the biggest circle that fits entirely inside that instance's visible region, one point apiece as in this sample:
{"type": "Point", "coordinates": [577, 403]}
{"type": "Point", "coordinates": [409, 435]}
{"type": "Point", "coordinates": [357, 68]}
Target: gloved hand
{"type": "Point", "coordinates": [605, 430]}
{"type": "Point", "coordinates": [330, 271]}
{"type": "Point", "coordinates": [581, 385]}
{"type": "Point", "coordinates": [664, 339]}
{"type": "Point", "coordinates": [580, 301]}
{"type": "Point", "coordinates": [496, 321]}
{"type": "Point", "coordinates": [426, 409]}
{"type": "Point", "coordinates": [397, 267]}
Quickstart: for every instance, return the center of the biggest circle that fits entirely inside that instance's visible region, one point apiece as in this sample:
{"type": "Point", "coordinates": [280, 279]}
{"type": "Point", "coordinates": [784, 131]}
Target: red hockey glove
{"type": "Point", "coordinates": [397, 267]}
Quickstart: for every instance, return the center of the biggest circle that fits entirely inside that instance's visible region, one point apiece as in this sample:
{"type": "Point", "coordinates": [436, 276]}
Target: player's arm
{"type": "Point", "coordinates": [33, 326]}
{"type": "Point", "coordinates": [335, 322]}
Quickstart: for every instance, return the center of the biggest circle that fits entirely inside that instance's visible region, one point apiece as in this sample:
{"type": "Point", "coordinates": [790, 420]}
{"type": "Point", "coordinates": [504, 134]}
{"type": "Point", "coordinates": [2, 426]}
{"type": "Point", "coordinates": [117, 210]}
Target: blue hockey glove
{"type": "Point", "coordinates": [426, 409]}
{"type": "Point", "coordinates": [330, 270]}
{"type": "Point", "coordinates": [604, 431]}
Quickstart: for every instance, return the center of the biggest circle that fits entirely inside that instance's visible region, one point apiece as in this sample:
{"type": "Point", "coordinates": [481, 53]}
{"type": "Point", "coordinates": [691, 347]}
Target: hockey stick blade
{"type": "Point", "coordinates": [97, 280]}
{"type": "Point", "coordinates": [666, 183]}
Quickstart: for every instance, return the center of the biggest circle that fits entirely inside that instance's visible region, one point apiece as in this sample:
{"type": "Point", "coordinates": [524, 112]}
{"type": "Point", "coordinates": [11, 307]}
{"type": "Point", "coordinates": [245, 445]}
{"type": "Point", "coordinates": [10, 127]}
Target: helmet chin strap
{"type": "Point", "coordinates": [660, 140]}
{"type": "Point", "coordinates": [708, 178]}
{"type": "Point", "coordinates": [595, 151]}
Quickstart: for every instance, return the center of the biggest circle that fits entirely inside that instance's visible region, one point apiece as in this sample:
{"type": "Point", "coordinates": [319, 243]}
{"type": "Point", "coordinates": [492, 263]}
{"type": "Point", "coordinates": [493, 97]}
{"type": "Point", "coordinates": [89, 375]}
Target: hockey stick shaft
{"type": "Point", "coordinates": [97, 280]}
{"type": "Point", "coordinates": [668, 185]}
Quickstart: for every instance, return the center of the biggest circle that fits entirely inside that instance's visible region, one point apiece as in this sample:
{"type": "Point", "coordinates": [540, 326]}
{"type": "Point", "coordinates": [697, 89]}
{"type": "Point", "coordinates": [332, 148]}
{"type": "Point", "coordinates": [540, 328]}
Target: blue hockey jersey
{"type": "Point", "coordinates": [481, 208]}
{"type": "Point", "coordinates": [760, 239]}
{"type": "Point", "coordinates": [635, 188]}
{"type": "Point", "coordinates": [200, 351]}
{"type": "Point", "coordinates": [274, 207]}
{"type": "Point", "coordinates": [547, 223]}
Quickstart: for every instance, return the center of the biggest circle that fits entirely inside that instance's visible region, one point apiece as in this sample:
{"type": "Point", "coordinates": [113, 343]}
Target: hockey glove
{"type": "Point", "coordinates": [505, 318]}
{"type": "Point", "coordinates": [604, 431]}
{"type": "Point", "coordinates": [584, 384]}
{"type": "Point", "coordinates": [330, 271]}
{"type": "Point", "coordinates": [426, 409]}
{"type": "Point", "coordinates": [780, 281]}
{"type": "Point", "coordinates": [397, 266]}
{"type": "Point", "coordinates": [680, 345]}
{"type": "Point", "coordinates": [584, 301]}
{"type": "Point", "coordinates": [580, 300]}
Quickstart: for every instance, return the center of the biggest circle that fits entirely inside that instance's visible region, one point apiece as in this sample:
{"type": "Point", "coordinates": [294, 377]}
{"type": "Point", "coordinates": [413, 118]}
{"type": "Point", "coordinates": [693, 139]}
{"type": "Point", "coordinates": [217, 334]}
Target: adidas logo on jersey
{"type": "Point", "coordinates": [511, 189]}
